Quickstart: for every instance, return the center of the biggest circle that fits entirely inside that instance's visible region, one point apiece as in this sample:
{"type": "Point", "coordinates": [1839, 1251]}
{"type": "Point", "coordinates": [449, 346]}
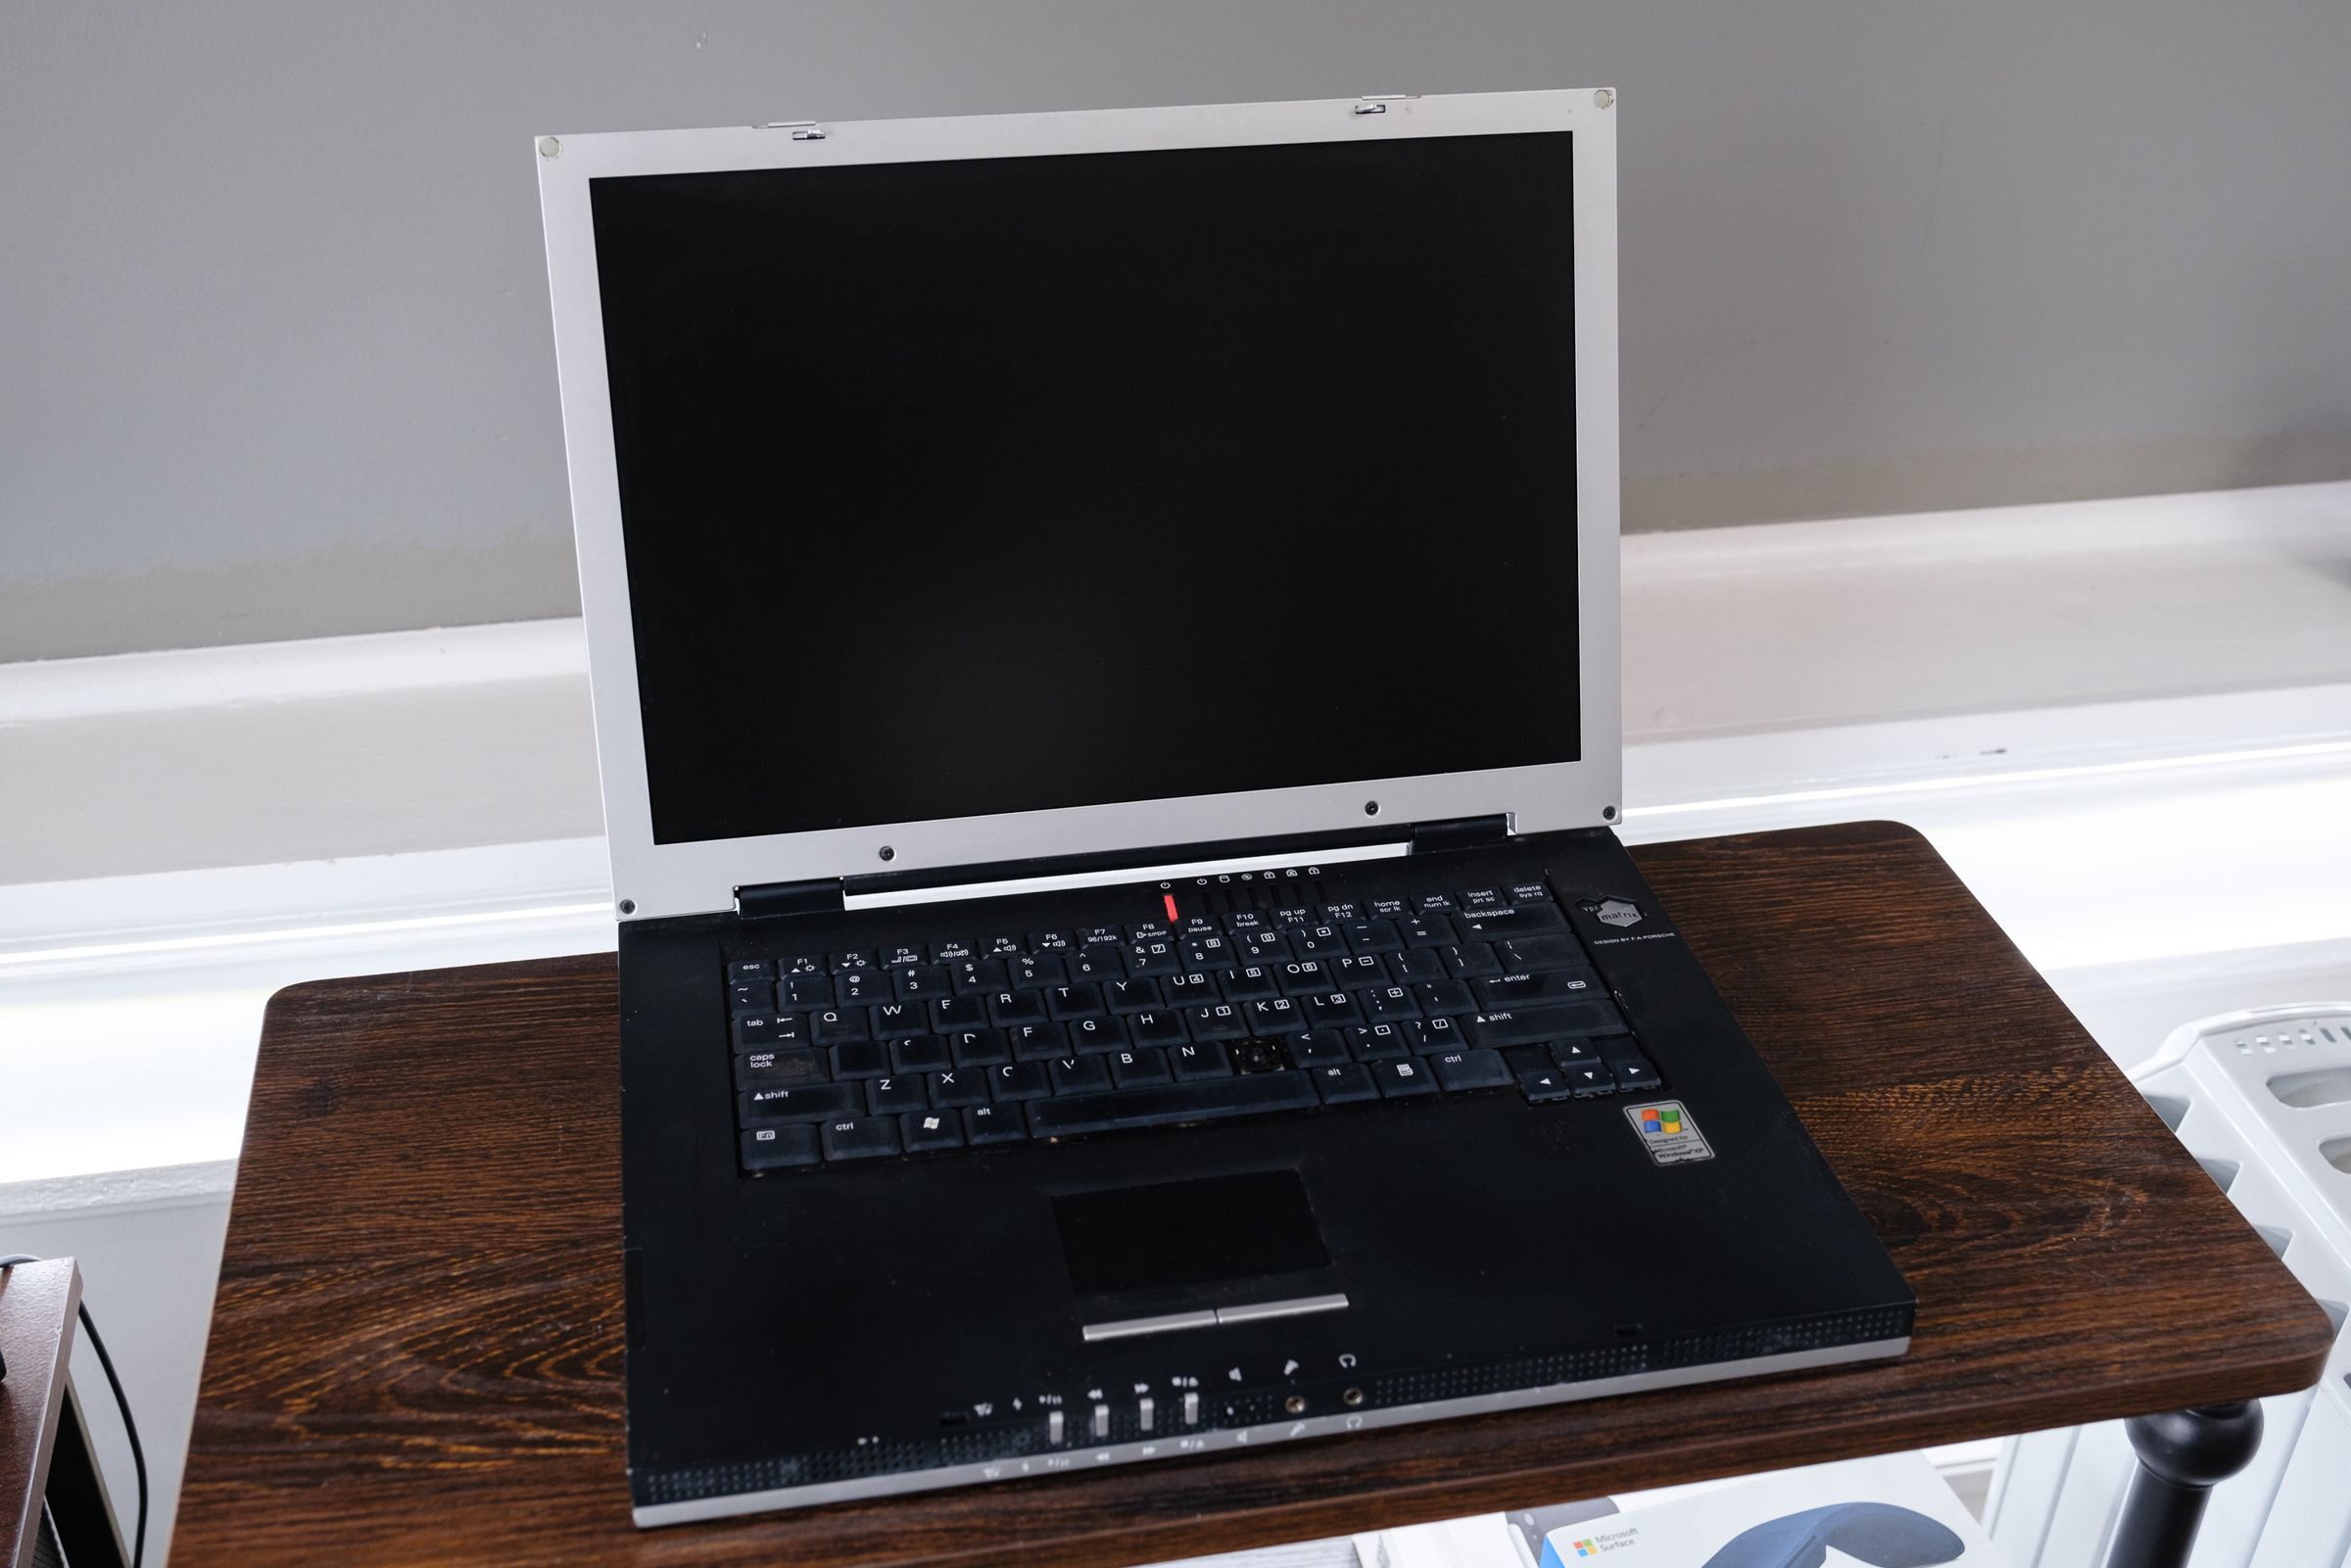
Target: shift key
{"type": "Point", "coordinates": [1527, 1025]}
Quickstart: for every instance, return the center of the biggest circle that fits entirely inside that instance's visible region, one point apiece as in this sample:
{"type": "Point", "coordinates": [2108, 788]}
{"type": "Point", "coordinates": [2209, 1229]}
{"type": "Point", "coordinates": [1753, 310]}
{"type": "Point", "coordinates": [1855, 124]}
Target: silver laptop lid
{"type": "Point", "coordinates": [954, 491]}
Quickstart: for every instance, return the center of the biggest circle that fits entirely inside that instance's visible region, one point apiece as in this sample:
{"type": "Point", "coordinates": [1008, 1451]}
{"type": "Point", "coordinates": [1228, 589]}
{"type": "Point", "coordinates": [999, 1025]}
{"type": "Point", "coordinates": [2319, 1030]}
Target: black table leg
{"type": "Point", "coordinates": [2182, 1455]}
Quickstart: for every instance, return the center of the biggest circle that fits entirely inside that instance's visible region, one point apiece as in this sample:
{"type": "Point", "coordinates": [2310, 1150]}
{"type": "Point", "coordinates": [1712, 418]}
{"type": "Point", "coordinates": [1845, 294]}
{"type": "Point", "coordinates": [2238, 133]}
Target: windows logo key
{"type": "Point", "coordinates": [1669, 1132]}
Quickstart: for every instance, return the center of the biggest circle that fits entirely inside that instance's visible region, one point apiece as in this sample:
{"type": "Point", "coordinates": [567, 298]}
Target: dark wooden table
{"type": "Point", "coordinates": [417, 1348]}
{"type": "Point", "coordinates": [36, 1338]}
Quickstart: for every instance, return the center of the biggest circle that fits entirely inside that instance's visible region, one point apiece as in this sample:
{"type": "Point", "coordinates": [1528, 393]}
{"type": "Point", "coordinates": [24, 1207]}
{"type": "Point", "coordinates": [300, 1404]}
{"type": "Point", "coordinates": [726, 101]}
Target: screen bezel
{"type": "Point", "coordinates": [700, 877]}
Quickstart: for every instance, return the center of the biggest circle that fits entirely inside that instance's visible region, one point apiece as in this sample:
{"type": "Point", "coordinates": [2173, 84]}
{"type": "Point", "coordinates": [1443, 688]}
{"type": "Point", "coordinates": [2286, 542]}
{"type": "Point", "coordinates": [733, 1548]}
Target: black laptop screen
{"type": "Point", "coordinates": [986, 486]}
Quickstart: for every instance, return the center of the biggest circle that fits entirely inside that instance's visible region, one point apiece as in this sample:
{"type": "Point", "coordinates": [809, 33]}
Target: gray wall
{"type": "Point", "coordinates": [274, 354]}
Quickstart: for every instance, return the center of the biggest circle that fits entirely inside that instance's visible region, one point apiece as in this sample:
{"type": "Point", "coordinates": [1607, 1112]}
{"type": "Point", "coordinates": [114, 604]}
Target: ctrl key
{"type": "Point", "coordinates": [860, 1137]}
{"type": "Point", "coordinates": [775, 1148]}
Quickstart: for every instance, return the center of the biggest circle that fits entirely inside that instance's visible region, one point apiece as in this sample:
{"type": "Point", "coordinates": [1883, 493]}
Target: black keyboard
{"type": "Point", "coordinates": [1000, 1039]}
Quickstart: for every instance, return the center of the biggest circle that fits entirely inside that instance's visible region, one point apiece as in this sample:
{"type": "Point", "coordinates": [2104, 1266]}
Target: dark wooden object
{"type": "Point", "coordinates": [417, 1348]}
{"type": "Point", "coordinates": [36, 1338]}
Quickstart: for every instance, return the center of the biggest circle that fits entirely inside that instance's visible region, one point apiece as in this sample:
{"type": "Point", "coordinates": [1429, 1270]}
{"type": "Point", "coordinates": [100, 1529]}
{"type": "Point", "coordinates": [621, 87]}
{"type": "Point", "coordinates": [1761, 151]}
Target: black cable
{"type": "Point", "coordinates": [130, 1427]}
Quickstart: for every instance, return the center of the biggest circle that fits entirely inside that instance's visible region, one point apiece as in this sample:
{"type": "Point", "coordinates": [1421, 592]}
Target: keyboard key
{"type": "Point", "coordinates": [1373, 936]}
{"type": "Point", "coordinates": [1545, 985]}
{"type": "Point", "coordinates": [1090, 966]}
{"type": "Point", "coordinates": [1425, 931]}
{"type": "Point", "coordinates": [1332, 1010]}
{"type": "Point", "coordinates": [1522, 893]}
{"type": "Point", "coordinates": [1260, 947]}
{"type": "Point", "coordinates": [1138, 995]}
{"type": "Point", "coordinates": [777, 1069]}
{"type": "Point", "coordinates": [1378, 1042]}
{"type": "Point", "coordinates": [1037, 1042]}
{"type": "Point", "coordinates": [1303, 978]}
{"type": "Point", "coordinates": [1401, 1079]}
{"type": "Point", "coordinates": [1018, 1080]}
{"type": "Point", "coordinates": [812, 1102]}
{"type": "Point", "coordinates": [860, 1138]}
{"type": "Point", "coordinates": [1543, 1084]}
{"type": "Point", "coordinates": [751, 969]}
{"type": "Point", "coordinates": [776, 1148]}
{"type": "Point", "coordinates": [920, 981]}
{"type": "Point", "coordinates": [756, 1032]}
{"type": "Point", "coordinates": [1633, 1075]}
{"type": "Point", "coordinates": [1441, 998]}
{"type": "Point", "coordinates": [1211, 952]}
{"type": "Point", "coordinates": [1132, 1069]}
{"type": "Point", "coordinates": [1532, 921]}
{"type": "Point", "coordinates": [897, 1094]}
{"type": "Point", "coordinates": [892, 956]}
{"type": "Point", "coordinates": [1387, 908]}
{"type": "Point", "coordinates": [1217, 1021]}
{"type": "Point", "coordinates": [1458, 1070]}
{"type": "Point", "coordinates": [959, 1012]}
{"type": "Point", "coordinates": [1340, 914]}
{"type": "Point", "coordinates": [750, 996]}
{"type": "Point", "coordinates": [866, 1059]}
{"type": "Point", "coordinates": [1251, 983]}
{"type": "Point", "coordinates": [923, 1131]}
{"type": "Point", "coordinates": [805, 964]}
{"type": "Point", "coordinates": [1524, 1026]}
{"type": "Point", "coordinates": [1158, 1028]}
{"type": "Point", "coordinates": [1557, 951]}
{"type": "Point", "coordinates": [1016, 1006]}
{"type": "Point", "coordinates": [994, 1123]}
{"type": "Point", "coordinates": [1088, 1036]}
{"type": "Point", "coordinates": [1355, 973]}
{"type": "Point", "coordinates": [1278, 1016]}
{"type": "Point", "coordinates": [1075, 1001]}
{"type": "Point", "coordinates": [1100, 936]}
{"type": "Point", "coordinates": [953, 1089]}
{"type": "Point", "coordinates": [1344, 1083]}
{"type": "Point", "coordinates": [894, 1019]}
{"type": "Point", "coordinates": [1434, 903]}
{"type": "Point", "coordinates": [1590, 1079]}
{"type": "Point", "coordinates": [835, 1026]}
{"type": "Point", "coordinates": [1049, 941]}
{"type": "Point", "coordinates": [1389, 1002]}
{"type": "Point", "coordinates": [1483, 901]}
{"type": "Point", "coordinates": [1188, 990]}
{"type": "Point", "coordinates": [860, 987]}
{"type": "Point", "coordinates": [1431, 1036]}
{"type": "Point", "coordinates": [976, 976]}
{"type": "Point", "coordinates": [979, 1048]}
{"type": "Point", "coordinates": [1202, 1101]}
{"type": "Point", "coordinates": [1294, 916]}
{"type": "Point", "coordinates": [856, 958]}
{"type": "Point", "coordinates": [1190, 1061]}
{"type": "Point", "coordinates": [1318, 1048]}
{"type": "Point", "coordinates": [1001, 946]}
{"type": "Point", "coordinates": [1572, 1053]}
{"type": "Point", "coordinates": [1078, 1075]}
{"type": "Point", "coordinates": [1318, 941]}
{"type": "Point", "coordinates": [952, 951]}
{"type": "Point", "coordinates": [1155, 957]}
{"type": "Point", "coordinates": [1035, 974]}
{"type": "Point", "coordinates": [800, 992]}
{"type": "Point", "coordinates": [1468, 959]}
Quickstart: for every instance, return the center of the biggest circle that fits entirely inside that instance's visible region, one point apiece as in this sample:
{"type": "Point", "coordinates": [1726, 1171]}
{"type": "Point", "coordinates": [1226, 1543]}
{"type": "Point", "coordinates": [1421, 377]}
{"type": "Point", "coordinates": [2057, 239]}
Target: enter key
{"type": "Point", "coordinates": [1533, 990]}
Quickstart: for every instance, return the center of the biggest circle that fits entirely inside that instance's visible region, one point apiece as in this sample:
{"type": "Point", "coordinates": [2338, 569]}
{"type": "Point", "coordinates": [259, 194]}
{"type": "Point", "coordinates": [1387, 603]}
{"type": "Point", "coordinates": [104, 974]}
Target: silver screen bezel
{"type": "Point", "coordinates": [660, 880]}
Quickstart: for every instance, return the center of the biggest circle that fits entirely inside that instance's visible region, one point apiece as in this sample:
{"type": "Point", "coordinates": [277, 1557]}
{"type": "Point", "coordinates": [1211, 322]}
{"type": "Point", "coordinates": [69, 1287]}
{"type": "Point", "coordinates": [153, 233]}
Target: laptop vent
{"type": "Point", "coordinates": [980, 1445]}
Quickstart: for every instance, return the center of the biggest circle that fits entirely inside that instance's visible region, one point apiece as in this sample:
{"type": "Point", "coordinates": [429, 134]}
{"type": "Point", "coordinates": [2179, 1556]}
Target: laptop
{"type": "Point", "coordinates": [1104, 638]}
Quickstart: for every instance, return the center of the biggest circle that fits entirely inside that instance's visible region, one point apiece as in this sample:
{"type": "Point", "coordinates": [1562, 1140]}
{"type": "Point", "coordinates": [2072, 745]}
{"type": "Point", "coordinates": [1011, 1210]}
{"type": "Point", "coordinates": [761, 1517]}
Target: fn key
{"type": "Point", "coordinates": [775, 1148]}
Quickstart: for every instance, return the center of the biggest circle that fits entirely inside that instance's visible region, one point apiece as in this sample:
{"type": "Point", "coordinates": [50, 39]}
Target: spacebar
{"type": "Point", "coordinates": [1203, 1101]}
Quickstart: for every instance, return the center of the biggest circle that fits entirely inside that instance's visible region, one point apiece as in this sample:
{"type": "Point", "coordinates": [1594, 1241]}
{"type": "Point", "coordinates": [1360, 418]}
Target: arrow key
{"type": "Point", "coordinates": [1544, 1083]}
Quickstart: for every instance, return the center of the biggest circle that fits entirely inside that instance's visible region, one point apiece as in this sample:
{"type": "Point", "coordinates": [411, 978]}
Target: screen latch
{"type": "Point", "coordinates": [1377, 103]}
{"type": "Point", "coordinates": [762, 899]}
{"type": "Point", "coordinates": [1461, 832]}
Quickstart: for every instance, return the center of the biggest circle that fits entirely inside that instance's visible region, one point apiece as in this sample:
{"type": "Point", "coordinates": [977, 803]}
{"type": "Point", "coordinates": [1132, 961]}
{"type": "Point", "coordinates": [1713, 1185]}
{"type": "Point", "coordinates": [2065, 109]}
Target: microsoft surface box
{"type": "Point", "coordinates": [1104, 637]}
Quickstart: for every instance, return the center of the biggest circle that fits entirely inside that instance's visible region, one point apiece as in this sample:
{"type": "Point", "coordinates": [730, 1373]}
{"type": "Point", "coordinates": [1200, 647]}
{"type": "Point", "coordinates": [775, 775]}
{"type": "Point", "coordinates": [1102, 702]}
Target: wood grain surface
{"type": "Point", "coordinates": [36, 1316]}
{"type": "Point", "coordinates": [415, 1353]}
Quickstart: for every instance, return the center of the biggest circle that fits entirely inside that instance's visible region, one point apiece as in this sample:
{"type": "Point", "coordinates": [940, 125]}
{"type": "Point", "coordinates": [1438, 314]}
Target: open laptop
{"type": "Point", "coordinates": [1104, 634]}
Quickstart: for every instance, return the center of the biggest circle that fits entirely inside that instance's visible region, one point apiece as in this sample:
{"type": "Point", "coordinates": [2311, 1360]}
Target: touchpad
{"type": "Point", "coordinates": [1190, 1232]}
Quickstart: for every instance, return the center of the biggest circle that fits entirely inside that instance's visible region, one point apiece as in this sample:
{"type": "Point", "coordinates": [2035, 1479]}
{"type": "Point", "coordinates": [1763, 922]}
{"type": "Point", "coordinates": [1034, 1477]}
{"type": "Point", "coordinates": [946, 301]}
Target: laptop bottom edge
{"type": "Point", "coordinates": [648, 1516]}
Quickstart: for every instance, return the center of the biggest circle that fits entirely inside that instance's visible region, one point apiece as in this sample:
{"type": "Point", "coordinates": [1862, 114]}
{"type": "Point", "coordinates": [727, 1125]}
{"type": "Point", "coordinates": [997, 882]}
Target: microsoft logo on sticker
{"type": "Point", "coordinates": [1658, 1120]}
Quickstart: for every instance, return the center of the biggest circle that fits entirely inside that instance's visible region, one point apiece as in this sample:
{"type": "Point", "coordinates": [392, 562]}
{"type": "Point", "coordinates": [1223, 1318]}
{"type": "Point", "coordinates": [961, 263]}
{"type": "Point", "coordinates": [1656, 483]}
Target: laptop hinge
{"type": "Point", "coordinates": [1461, 832]}
{"type": "Point", "coordinates": [762, 899]}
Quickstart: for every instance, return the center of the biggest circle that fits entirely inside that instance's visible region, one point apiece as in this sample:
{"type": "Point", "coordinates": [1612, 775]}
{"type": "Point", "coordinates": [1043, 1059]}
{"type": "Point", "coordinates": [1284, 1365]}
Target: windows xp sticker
{"type": "Point", "coordinates": [1668, 1132]}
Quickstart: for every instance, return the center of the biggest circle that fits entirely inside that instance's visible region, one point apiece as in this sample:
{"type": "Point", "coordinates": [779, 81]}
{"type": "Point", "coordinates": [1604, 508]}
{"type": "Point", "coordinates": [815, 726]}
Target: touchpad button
{"type": "Point", "coordinates": [1189, 1233]}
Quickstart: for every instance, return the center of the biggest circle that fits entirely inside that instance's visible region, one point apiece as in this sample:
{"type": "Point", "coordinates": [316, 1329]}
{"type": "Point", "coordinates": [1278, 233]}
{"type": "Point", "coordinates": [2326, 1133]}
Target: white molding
{"type": "Point", "coordinates": [309, 669]}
